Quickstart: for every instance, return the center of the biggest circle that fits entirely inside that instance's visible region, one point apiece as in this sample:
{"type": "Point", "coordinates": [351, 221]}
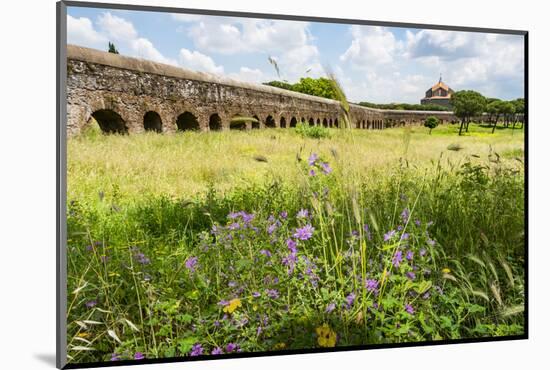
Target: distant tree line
{"type": "Point", "coordinates": [405, 106]}
{"type": "Point", "coordinates": [469, 105]}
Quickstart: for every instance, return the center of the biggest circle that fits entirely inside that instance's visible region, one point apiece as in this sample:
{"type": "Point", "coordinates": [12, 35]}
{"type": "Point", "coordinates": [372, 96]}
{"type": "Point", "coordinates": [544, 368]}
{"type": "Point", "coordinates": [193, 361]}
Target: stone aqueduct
{"type": "Point", "coordinates": [129, 95]}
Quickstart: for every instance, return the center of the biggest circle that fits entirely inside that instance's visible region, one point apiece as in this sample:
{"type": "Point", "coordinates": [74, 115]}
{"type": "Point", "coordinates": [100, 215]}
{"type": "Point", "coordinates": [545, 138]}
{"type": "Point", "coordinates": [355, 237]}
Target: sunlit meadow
{"type": "Point", "coordinates": [205, 244]}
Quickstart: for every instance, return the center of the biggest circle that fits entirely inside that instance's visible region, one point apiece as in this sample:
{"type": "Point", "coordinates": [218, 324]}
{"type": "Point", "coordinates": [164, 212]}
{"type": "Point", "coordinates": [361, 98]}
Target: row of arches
{"type": "Point", "coordinates": [111, 122]}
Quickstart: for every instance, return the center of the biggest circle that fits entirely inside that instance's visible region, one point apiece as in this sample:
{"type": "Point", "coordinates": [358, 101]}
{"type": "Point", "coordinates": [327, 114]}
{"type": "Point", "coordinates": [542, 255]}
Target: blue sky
{"type": "Point", "coordinates": [377, 64]}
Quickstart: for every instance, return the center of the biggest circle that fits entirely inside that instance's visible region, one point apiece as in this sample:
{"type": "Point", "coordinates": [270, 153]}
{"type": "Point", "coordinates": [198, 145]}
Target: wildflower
{"type": "Point", "coordinates": [426, 295]}
{"type": "Point", "coordinates": [217, 351]}
{"type": "Point", "coordinates": [232, 284]}
{"type": "Point", "coordinates": [265, 252]}
{"type": "Point", "coordinates": [256, 294]}
{"type": "Point", "coordinates": [291, 244]}
{"type": "Point", "coordinates": [191, 263]}
{"type": "Point", "coordinates": [196, 350]}
{"type": "Point", "coordinates": [330, 307]}
{"type": "Point", "coordinates": [303, 213]}
{"type": "Point", "coordinates": [422, 252]}
{"type": "Point", "coordinates": [272, 293]}
{"type": "Point", "coordinates": [91, 303]}
{"type": "Point", "coordinates": [446, 270]}
{"type": "Point", "coordinates": [326, 168]}
{"type": "Point", "coordinates": [271, 228]}
{"type": "Point", "coordinates": [223, 302]}
{"type": "Point", "coordinates": [417, 222]}
{"type": "Point", "coordinates": [326, 337]}
{"type": "Point", "coordinates": [115, 357]}
{"type": "Point", "coordinates": [280, 345]}
{"type": "Point", "coordinates": [409, 256]}
{"type": "Point", "coordinates": [234, 226]}
{"type": "Point", "coordinates": [232, 305]}
{"type": "Point", "coordinates": [397, 258]}
{"type": "Point", "coordinates": [431, 242]}
{"type": "Point", "coordinates": [405, 215]}
{"type": "Point", "coordinates": [367, 231]}
{"type": "Point", "coordinates": [411, 275]}
{"type": "Point", "coordinates": [284, 215]}
{"type": "Point", "coordinates": [349, 300]}
{"type": "Point", "coordinates": [371, 285]}
{"type": "Point", "coordinates": [304, 233]}
{"type": "Point", "coordinates": [313, 159]}
{"type": "Point", "coordinates": [409, 309]}
{"type": "Point", "coordinates": [389, 235]}
{"type": "Point", "coordinates": [405, 236]}
{"type": "Point", "coordinates": [139, 356]}
{"type": "Point", "coordinates": [231, 347]}
{"type": "Point", "coordinates": [312, 172]}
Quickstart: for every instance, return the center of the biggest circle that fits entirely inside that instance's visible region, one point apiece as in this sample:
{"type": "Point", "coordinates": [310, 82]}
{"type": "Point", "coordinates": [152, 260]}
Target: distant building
{"type": "Point", "coordinates": [439, 94]}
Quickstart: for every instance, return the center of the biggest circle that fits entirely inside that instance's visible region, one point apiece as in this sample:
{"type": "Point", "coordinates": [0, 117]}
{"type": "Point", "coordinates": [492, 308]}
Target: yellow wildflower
{"type": "Point", "coordinates": [280, 345]}
{"type": "Point", "coordinates": [83, 335]}
{"type": "Point", "coordinates": [326, 337]}
{"type": "Point", "coordinates": [446, 270]}
{"type": "Point", "coordinates": [233, 305]}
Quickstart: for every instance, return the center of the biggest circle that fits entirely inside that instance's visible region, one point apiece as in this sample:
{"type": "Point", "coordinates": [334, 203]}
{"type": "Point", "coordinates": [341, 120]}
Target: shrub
{"type": "Point", "coordinates": [315, 132]}
{"type": "Point", "coordinates": [431, 123]}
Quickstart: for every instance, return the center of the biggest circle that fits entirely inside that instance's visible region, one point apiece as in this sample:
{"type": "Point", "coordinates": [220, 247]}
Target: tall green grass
{"type": "Point", "coordinates": [141, 209]}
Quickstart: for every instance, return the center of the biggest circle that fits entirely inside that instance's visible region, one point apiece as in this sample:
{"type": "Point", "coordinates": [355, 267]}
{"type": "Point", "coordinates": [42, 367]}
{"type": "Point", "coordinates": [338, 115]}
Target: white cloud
{"type": "Point", "coordinates": [289, 42]}
{"type": "Point", "coordinates": [116, 28]}
{"type": "Point", "coordinates": [249, 75]}
{"type": "Point", "coordinates": [145, 49]}
{"type": "Point", "coordinates": [371, 46]}
{"type": "Point", "coordinates": [80, 31]}
{"type": "Point", "coordinates": [198, 61]}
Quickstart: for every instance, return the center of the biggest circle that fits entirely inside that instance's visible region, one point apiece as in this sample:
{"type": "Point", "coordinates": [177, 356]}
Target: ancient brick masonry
{"type": "Point", "coordinates": [130, 95]}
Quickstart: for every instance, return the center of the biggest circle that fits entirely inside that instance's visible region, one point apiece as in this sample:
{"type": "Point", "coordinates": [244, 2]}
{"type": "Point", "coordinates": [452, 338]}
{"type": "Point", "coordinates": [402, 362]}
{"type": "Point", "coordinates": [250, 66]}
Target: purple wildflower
{"type": "Point", "coordinates": [411, 275]}
{"type": "Point", "coordinates": [426, 295]}
{"type": "Point", "coordinates": [397, 258]}
{"type": "Point", "coordinates": [231, 347]}
{"type": "Point", "coordinates": [234, 226]}
{"type": "Point", "coordinates": [304, 233]}
{"type": "Point", "coordinates": [389, 235]}
{"type": "Point", "coordinates": [232, 284]}
{"type": "Point", "coordinates": [265, 252]}
{"type": "Point", "coordinates": [284, 215]}
{"type": "Point", "coordinates": [405, 215]}
{"type": "Point", "coordinates": [91, 303]}
{"type": "Point", "coordinates": [217, 351]}
{"type": "Point", "coordinates": [371, 285]}
{"type": "Point", "coordinates": [312, 172]}
{"type": "Point", "coordinates": [409, 256]}
{"type": "Point", "coordinates": [330, 307]}
{"type": "Point", "coordinates": [431, 242]}
{"type": "Point", "coordinates": [196, 350]}
{"type": "Point", "coordinates": [405, 236]}
{"type": "Point", "coordinates": [303, 213]}
{"type": "Point", "coordinates": [191, 263]}
{"type": "Point", "coordinates": [409, 309]}
{"type": "Point", "coordinates": [313, 159]}
{"type": "Point", "coordinates": [326, 168]}
{"type": "Point", "coordinates": [291, 245]}
{"type": "Point", "coordinates": [367, 231]}
{"type": "Point", "coordinates": [417, 222]}
{"type": "Point", "coordinates": [256, 294]}
{"type": "Point", "coordinates": [272, 293]}
{"type": "Point", "coordinates": [271, 228]}
{"type": "Point", "coordinates": [115, 357]}
{"type": "Point", "coordinates": [422, 252]}
{"type": "Point", "coordinates": [223, 302]}
{"type": "Point", "coordinates": [139, 356]}
{"type": "Point", "coordinates": [350, 299]}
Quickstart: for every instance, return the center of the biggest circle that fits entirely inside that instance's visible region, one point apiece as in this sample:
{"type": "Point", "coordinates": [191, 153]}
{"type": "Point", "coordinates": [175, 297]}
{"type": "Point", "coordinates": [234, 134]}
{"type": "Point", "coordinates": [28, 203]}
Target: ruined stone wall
{"type": "Point", "coordinates": [119, 91]}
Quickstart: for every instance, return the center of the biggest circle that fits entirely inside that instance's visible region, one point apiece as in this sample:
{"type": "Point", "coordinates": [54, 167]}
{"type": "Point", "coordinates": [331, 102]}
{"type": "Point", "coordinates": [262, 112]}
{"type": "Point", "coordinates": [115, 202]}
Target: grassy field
{"type": "Point", "coordinates": [188, 163]}
{"type": "Point", "coordinates": [200, 244]}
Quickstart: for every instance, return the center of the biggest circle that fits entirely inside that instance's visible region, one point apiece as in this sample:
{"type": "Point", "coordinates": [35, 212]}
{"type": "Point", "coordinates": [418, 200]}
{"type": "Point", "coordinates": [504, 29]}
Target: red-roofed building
{"type": "Point", "coordinates": [439, 94]}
